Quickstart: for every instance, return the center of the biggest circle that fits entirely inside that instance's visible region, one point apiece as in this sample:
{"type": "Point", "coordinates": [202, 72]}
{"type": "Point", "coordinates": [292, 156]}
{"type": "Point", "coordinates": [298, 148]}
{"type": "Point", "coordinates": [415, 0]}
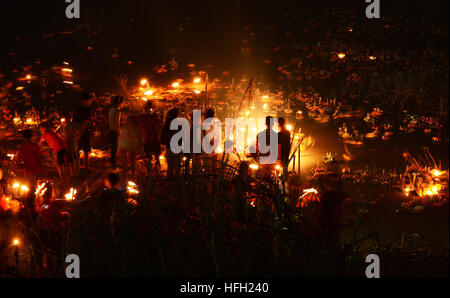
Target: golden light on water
{"type": "Point", "coordinates": [149, 92]}
{"type": "Point", "coordinates": [253, 166]}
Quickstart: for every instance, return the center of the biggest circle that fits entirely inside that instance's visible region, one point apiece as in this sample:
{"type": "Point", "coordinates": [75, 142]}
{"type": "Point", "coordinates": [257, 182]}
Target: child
{"type": "Point", "coordinates": [71, 134]}
{"type": "Point", "coordinates": [55, 143]}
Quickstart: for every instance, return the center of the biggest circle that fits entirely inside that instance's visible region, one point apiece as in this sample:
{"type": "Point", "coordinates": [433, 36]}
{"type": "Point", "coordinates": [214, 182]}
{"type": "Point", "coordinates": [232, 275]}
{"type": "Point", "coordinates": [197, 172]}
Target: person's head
{"type": "Point", "coordinates": [172, 114]}
{"type": "Point", "coordinates": [44, 127]}
{"type": "Point", "coordinates": [117, 101]}
{"type": "Point", "coordinates": [86, 99]}
{"type": "Point", "coordinates": [112, 181]}
{"type": "Point", "coordinates": [27, 134]}
{"type": "Point", "coordinates": [269, 123]}
{"type": "Point", "coordinates": [281, 122]}
{"type": "Point", "coordinates": [209, 113]}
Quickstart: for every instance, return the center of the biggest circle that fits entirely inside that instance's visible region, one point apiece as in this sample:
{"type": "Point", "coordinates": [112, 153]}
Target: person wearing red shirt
{"type": "Point", "coordinates": [30, 154]}
{"type": "Point", "coordinates": [56, 143]}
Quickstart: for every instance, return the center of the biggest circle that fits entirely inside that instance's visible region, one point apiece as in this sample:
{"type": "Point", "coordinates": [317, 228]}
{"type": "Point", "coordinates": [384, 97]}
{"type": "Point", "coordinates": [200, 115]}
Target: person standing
{"type": "Point", "coordinates": [128, 143]}
{"type": "Point", "coordinates": [173, 159]}
{"type": "Point", "coordinates": [30, 154]}
{"type": "Point", "coordinates": [57, 145]}
{"type": "Point", "coordinates": [113, 126]}
{"type": "Point", "coordinates": [284, 145]}
{"type": "Point", "coordinates": [149, 127]}
{"type": "Point", "coordinates": [83, 118]}
{"type": "Point", "coordinates": [71, 134]}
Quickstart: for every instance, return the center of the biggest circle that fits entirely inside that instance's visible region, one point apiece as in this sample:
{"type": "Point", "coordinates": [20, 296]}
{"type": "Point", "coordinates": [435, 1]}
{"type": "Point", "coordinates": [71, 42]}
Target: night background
{"type": "Point", "coordinates": [365, 103]}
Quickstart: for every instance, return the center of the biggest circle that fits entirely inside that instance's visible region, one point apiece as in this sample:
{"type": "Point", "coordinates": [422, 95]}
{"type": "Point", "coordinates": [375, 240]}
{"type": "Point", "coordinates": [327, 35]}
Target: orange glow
{"type": "Point", "coordinates": [176, 85]}
{"type": "Point", "coordinates": [16, 242]}
{"type": "Point", "coordinates": [437, 173]}
{"type": "Point", "coordinates": [253, 166]}
{"type": "Point", "coordinates": [149, 92]}
{"type": "Point", "coordinates": [341, 55]}
{"type": "Point", "coordinates": [70, 196]}
{"type": "Point", "coordinates": [144, 82]}
{"type": "Point", "coordinates": [197, 80]}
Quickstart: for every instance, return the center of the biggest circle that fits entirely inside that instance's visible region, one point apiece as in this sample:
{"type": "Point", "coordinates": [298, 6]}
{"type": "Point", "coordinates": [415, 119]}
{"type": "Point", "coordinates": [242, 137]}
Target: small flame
{"type": "Point", "coordinates": [70, 196]}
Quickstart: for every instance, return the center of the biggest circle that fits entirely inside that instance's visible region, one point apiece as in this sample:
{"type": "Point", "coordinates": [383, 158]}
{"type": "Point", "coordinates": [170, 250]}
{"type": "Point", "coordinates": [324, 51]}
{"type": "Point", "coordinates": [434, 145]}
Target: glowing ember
{"type": "Point", "coordinates": [197, 80]}
{"type": "Point", "coordinates": [176, 85]}
{"type": "Point", "coordinates": [341, 55]}
{"type": "Point", "coordinates": [144, 82]}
